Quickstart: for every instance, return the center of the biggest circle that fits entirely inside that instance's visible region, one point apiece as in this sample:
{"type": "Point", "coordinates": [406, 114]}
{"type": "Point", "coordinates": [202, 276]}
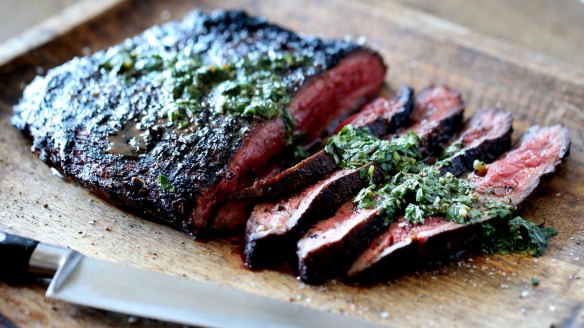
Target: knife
{"type": "Point", "coordinates": [104, 285]}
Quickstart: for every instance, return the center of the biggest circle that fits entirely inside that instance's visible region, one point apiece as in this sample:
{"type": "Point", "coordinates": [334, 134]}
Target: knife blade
{"type": "Point", "coordinates": [108, 286]}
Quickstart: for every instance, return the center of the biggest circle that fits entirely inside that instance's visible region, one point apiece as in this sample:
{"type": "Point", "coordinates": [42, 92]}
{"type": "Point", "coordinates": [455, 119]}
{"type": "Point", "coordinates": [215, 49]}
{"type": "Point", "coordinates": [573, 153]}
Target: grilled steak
{"type": "Point", "coordinates": [487, 136]}
{"type": "Point", "coordinates": [300, 175]}
{"type": "Point", "coordinates": [274, 227]}
{"type": "Point", "coordinates": [510, 179]}
{"type": "Point", "coordinates": [330, 246]}
{"type": "Point", "coordinates": [382, 117]}
{"type": "Point", "coordinates": [173, 121]}
{"type": "Point", "coordinates": [437, 125]}
{"type": "Point", "coordinates": [515, 176]}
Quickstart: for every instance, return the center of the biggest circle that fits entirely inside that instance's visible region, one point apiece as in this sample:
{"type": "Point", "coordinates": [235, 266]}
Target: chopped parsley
{"type": "Point", "coordinates": [250, 87]}
{"type": "Point", "coordinates": [427, 192]}
{"type": "Point", "coordinates": [387, 199]}
{"type": "Point", "coordinates": [165, 184]}
{"type": "Point", "coordinates": [453, 149]}
{"type": "Point", "coordinates": [355, 147]}
{"type": "Point", "coordinates": [407, 179]}
{"type": "Point", "coordinates": [516, 235]}
{"type": "Point", "coordinates": [417, 191]}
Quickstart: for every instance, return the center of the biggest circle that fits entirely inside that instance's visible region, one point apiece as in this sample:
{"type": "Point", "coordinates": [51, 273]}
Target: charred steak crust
{"type": "Point", "coordinates": [319, 260]}
{"type": "Point", "coordinates": [406, 101]}
{"type": "Point", "coordinates": [302, 174]}
{"type": "Point", "coordinates": [71, 112]}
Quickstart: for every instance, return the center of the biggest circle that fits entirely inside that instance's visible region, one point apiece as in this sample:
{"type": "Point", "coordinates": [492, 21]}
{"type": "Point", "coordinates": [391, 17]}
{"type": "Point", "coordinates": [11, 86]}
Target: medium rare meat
{"type": "Point", "coordinates": [175, 120]}
{"type": "Point", "coordinates": [274, 227]}
{"type": "Point", "coordinates": [437, 125]}
{"type": "Point", "coordinates": [300, 175]}
{"type": "Point", "coordinates": [486, 137]}
{"type": "Point", "coordinates": [382, 117]}
{"type": "Point", "coordinates": [390, 115]}
{"type": "Point", "coordinates": [510, 179]}
{"type": "Point", "coordinates": [515, 176]}
{"type": "Point", "coordinates": [330, 246]}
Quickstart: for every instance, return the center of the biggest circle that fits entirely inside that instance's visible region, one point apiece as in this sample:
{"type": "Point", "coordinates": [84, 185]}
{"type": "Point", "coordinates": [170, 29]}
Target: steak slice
{"type": "Point", "coordinates": [306, 172]}
{"type": "Point", "coordinates": [330, 246]}
{"type": "Point", "coordinates": [487, 136]}
{"type": "Point", "coordinates": [510, 179]}
{"type": "Point", "coordinates": [115, 123]}
{"type": "Point", "coordinates": [381, 116]}
{"type": "Point", "coordinates": [437, 124]}
{"type": "Point", "coordinates": [384, 116]}
{"type": "Point", "coordinates": [274, 227]}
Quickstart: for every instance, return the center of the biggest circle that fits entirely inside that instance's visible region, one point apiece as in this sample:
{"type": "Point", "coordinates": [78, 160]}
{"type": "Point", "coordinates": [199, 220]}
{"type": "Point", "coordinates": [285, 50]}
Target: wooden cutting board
{"type": "Point", "coordinates": [478, 289]}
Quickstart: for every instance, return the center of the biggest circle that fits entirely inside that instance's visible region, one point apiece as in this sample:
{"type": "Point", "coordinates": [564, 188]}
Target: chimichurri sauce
{"type": "Point", "coordinates": [251, 88]}
{"type": "Point", "coordinates": [417, 190]}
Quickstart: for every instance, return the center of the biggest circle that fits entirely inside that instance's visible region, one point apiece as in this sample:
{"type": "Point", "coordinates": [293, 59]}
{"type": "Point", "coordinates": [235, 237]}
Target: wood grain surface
{"type": "Point", "coordinates": [554, 28]}
{"type": "Point", "coordinates": [476, 290]}
{"type": "Point", "coordinates": [18, 15]}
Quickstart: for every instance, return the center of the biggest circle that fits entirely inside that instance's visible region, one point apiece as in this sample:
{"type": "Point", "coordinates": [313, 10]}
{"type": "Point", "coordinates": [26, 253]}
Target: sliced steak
{"type": "Point", "coordinates": [330, 246]}
{"type": "Point", "coordinates": [264, 234]}
{"type": "Point", "coordinates": [274, 227]}
{"type": "Point", "coordinates": [437, 124]}
{"type": "Point", "coordinates": [382, 116]}
{"type": "Point", "coordinates": [510, 179]}
{"type": "Point", "coordinates": [114, 122]}
{"type": "Point", "coordinates": [486, 136]}
{"type": "Point", "coordinates": [515, 176]}
{"type": "Point", "coordinates": [300, 175]}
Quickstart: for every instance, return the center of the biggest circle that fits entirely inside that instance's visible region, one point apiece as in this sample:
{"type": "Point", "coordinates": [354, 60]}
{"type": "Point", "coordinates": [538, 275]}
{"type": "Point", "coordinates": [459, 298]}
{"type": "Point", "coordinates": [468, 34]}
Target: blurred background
{"type": "Point", "coordinates": [553, 28]}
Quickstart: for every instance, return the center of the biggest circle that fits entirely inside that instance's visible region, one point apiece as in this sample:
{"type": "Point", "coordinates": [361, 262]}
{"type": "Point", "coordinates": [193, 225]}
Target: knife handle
{"type": "Point", "coordinates": [15, 253]}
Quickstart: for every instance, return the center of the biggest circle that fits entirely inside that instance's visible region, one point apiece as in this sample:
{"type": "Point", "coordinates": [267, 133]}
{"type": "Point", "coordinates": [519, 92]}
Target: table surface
{"type": "Point", "coordinates": [554, 28]}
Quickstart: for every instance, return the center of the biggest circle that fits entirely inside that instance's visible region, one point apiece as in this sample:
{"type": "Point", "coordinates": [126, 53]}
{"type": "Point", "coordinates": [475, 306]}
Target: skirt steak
{"type": "Point", "coordinates": [161, 124]}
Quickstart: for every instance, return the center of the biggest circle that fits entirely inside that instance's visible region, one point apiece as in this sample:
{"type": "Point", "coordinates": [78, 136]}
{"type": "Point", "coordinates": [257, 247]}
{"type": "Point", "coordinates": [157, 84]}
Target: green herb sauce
{"type": "Point", "coordinates": [453, 149]}
{"type": "Point", "coordinates": [165, 184]}
{"type": "Point", "coordinates": [428, 192]}
{"type": "Point", "coordinates": [354, 147]}
{"type": "Point", "coordinates": [418, 191]}
{"type": "Point", "coordinates": [251, 87]}
{"type": "Point", "coordinates": [507, 234]}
